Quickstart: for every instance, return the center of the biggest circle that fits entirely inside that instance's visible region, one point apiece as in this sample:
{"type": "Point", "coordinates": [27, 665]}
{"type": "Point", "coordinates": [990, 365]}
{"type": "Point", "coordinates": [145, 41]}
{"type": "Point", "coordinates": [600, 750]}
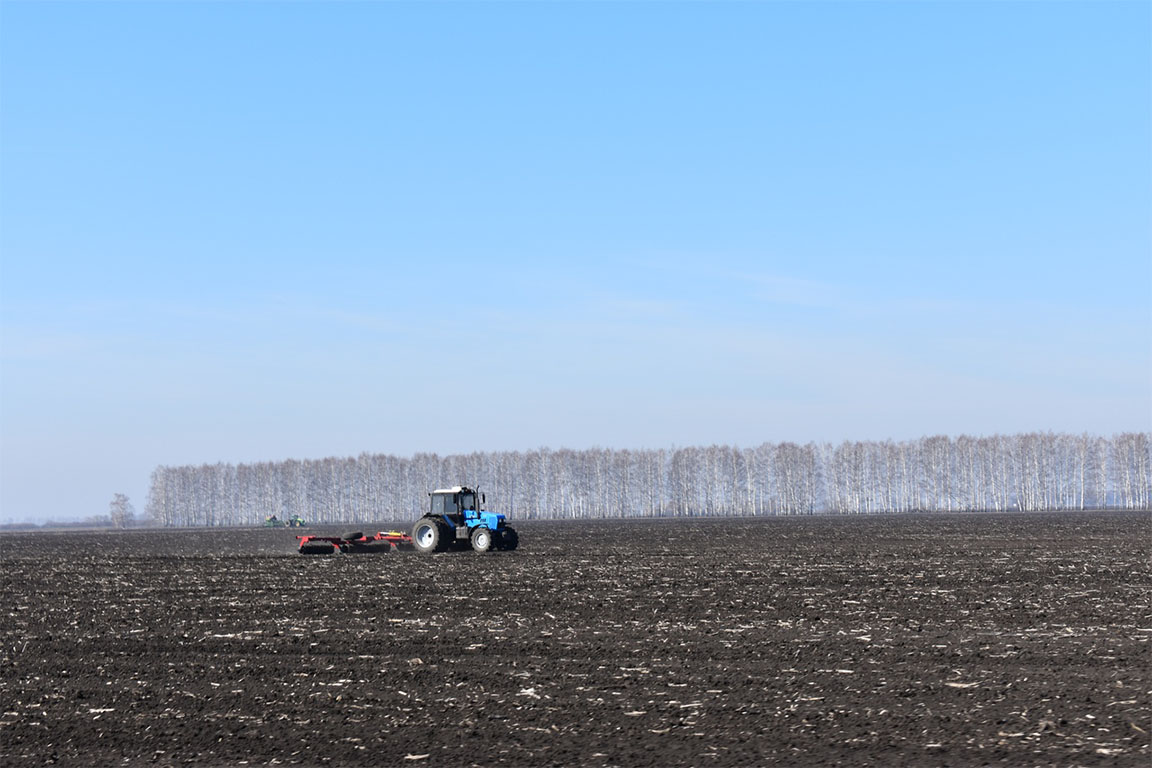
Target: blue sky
{"type": "Point", "coordinates": [245, 232]}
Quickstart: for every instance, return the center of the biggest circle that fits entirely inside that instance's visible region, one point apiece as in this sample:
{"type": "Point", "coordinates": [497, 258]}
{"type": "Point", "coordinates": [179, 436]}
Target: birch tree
{"type": "Point", "coordinates": [120, 511]}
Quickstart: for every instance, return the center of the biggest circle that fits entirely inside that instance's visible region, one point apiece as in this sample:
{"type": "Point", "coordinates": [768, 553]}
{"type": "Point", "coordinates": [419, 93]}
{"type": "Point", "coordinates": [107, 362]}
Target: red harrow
{"type": "Point", "coordinates": [355, 542]}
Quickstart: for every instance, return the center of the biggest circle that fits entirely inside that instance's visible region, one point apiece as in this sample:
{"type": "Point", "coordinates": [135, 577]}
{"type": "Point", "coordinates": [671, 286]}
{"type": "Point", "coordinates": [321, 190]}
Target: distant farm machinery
{"type": "Point", "coordinates": [272, 521]}
{"type": "Point", "coordinates": [455, 521]}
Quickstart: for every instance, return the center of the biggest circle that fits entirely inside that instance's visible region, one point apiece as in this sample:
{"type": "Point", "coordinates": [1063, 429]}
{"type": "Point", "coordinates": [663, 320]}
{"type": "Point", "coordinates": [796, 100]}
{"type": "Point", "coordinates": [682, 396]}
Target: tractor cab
{"type": "Point", "coordinates": [452, 501]}
{"type": "Point", "coordinates": [462, 507]}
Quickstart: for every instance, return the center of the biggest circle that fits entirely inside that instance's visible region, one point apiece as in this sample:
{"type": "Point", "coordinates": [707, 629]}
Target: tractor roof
{"type": "Point", "coordinates": [453, 489]}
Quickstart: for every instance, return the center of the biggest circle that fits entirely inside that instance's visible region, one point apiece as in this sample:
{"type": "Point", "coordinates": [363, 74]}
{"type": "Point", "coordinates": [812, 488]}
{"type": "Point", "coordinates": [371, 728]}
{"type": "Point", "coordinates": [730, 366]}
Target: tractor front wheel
{"type": "Point", "coordinates": [509, 539]}
{"type": "Point", "coordinates": [427, 535]}
{"type": "Point", "coordinates": [481, 539]}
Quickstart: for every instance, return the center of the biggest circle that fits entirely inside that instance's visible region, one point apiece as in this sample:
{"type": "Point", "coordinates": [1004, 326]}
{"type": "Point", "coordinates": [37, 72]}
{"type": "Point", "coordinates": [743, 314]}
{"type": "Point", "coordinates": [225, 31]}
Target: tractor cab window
{"type": "Point", "coordinates": [468, 501]}
{"type": "Point", "coordinates": [438, 504]}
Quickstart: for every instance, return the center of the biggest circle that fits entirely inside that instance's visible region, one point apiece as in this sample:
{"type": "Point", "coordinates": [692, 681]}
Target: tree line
{"type": "Point", "coordinates": [1022, 472]}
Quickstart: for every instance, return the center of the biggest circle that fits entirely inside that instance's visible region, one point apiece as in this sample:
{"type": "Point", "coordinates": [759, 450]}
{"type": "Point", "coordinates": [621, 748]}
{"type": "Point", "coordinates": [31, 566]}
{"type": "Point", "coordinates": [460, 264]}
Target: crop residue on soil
{"type": "Point", "coordinates": [929, 640]}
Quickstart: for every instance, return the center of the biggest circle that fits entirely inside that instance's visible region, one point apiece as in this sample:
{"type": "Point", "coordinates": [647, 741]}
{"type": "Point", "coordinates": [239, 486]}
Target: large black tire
{"type": "Point", "coordinates": [429, 535]}
{"type": "Point", "coordinates": [482, 538]}
{"type": "Point", "coordinates": [353, 535]}
{"type": "Point", "coordinates": [317, 548]}
{"type": "Point", "coordinates": [509, 539]}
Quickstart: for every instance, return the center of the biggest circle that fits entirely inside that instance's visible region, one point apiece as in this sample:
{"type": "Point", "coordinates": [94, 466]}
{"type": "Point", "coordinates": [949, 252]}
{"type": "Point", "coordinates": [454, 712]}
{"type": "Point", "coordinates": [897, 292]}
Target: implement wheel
{"type": "Point", "coordinates": [481, 539]}
{"type": "Point", "coordinates": [317, 548]}
{"type": "Point", "coordinates": [428, 535]}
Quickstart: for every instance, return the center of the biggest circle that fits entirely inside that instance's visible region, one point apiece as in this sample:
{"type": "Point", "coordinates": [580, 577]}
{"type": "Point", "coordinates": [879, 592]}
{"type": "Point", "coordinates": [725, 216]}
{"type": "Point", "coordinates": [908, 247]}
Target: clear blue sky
{"type": "Point", "coordinates": [243, 232]}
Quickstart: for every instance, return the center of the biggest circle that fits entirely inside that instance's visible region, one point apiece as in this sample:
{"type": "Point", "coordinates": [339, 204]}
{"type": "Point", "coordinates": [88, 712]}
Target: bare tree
{"type": "Point", "coordinates": [120, 511]}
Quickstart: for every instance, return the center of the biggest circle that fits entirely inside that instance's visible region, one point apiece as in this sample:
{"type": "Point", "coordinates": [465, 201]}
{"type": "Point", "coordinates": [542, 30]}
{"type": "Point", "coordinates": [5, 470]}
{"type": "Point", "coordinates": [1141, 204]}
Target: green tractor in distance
{"type": "Point", "coordinates": [272, 521]}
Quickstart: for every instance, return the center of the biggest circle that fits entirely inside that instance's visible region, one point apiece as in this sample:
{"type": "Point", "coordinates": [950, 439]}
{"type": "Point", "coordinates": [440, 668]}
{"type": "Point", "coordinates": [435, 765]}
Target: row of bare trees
{"type": "Point", "coordinates": [1025, 472]}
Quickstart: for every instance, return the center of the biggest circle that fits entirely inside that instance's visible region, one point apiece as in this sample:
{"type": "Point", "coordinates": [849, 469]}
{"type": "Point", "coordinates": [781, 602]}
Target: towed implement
{"type": "Point", "coordinates": [355, 542]}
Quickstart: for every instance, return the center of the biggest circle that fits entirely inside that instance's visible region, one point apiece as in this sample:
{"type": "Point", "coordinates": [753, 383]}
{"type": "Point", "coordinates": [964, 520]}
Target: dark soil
{"type": "Point", "coordinates": [1016, 640]}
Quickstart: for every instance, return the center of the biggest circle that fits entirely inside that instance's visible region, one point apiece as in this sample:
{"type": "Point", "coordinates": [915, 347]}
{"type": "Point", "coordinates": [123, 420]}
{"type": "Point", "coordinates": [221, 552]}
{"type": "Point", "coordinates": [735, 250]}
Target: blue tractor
{"type": "Point", "coordinates": [456, 521]}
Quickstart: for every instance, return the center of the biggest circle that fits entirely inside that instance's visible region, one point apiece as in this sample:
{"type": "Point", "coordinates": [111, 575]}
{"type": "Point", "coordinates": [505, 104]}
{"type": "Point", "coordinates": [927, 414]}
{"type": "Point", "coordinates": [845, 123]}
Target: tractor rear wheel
{"type": "Point", "coordinates": [428, 535]}
{"type": "Point", "coordinates": [481, 538]}
{"type": "Point", "coordinates": [509, 539]}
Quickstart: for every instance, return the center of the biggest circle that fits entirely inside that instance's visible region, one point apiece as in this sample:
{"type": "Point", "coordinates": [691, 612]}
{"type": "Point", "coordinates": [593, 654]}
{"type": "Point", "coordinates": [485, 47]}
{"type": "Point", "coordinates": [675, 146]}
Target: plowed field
{"type": "Point", "coordinates": [933, 640]}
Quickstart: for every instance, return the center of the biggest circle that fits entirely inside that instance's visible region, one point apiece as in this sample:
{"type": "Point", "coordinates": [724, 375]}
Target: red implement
{"type": "Point", "coordinates": [326, 545]}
